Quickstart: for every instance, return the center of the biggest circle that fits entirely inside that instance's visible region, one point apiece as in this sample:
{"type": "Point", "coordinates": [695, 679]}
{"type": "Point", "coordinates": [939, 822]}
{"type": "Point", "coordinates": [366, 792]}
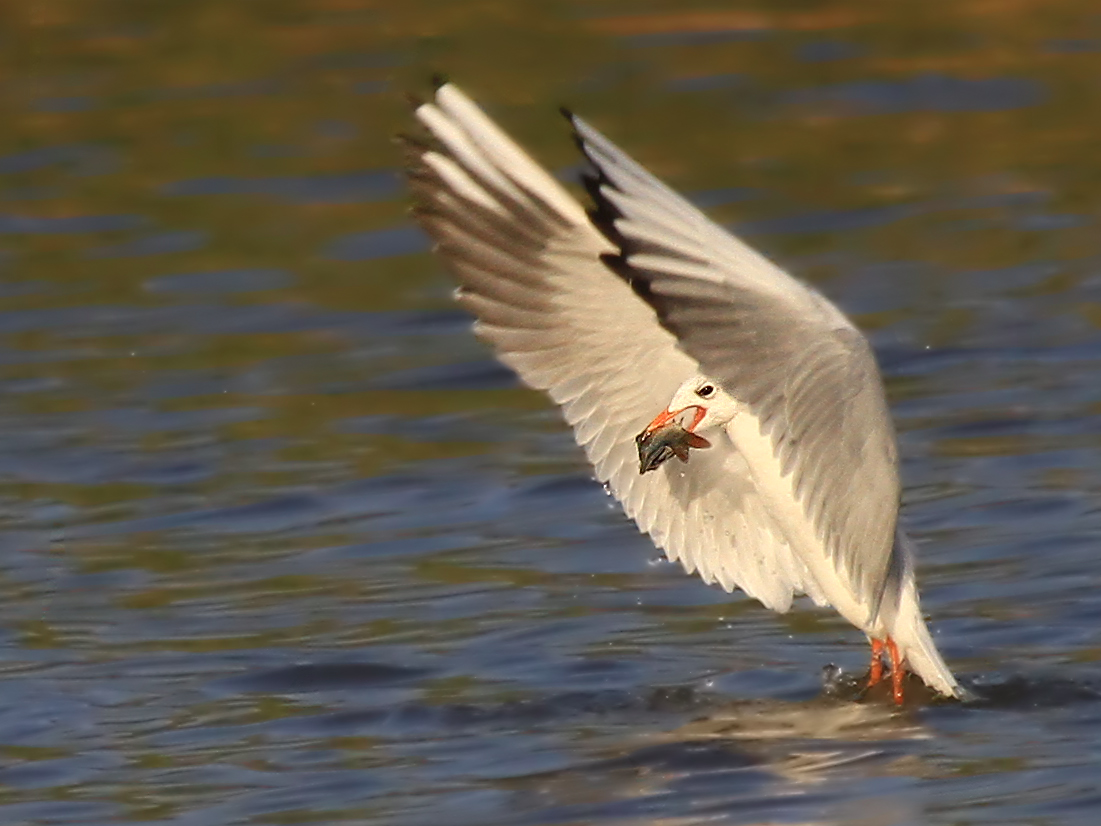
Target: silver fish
{"type": "Point", "coordinates": [655, 447]}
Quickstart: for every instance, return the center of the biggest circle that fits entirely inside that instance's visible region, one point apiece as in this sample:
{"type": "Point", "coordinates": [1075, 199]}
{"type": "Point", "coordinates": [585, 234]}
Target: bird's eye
{"type": "Point", "coordinates": [705, 391]}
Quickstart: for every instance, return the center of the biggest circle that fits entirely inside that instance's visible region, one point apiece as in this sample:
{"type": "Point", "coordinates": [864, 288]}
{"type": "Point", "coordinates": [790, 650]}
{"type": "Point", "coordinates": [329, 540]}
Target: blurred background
{"type": "Point", "coordinates": [281, 543]}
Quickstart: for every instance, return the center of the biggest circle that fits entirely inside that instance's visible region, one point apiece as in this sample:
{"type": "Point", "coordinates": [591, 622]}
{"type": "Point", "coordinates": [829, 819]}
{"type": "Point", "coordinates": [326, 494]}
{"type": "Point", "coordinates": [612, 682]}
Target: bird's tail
{"type": "Point", "coordinates": [909, 631]}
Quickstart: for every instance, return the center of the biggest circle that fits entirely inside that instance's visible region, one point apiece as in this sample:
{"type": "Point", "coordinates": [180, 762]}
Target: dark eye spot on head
{"type": "Point", "coordinates": [705, 391]}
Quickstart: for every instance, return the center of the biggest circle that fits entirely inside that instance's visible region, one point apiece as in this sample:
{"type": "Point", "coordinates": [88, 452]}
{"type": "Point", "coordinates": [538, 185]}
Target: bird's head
{"type": "Point", "coordinates": [698, 405]}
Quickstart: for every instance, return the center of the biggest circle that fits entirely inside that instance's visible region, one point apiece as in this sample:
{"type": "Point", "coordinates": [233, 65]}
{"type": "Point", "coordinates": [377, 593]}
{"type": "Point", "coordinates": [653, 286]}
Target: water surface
{"type": "Point", "coordinates": [281, 542]}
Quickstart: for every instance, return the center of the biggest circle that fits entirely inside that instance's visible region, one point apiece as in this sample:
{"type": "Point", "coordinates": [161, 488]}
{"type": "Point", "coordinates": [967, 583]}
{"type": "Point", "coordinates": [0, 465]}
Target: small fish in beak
{"type": "Point", "coordinates": [665, 437]}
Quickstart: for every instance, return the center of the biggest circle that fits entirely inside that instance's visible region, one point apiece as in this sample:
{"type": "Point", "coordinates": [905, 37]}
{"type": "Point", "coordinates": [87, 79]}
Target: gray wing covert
{"type": "Point", "coordinates": [773, 343]}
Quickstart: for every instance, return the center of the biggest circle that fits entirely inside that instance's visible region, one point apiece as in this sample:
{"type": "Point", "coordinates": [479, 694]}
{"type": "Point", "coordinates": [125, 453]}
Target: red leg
{"type": "Point", "coordinates": [875, 674]}
{"type": "Point", "coordinates": [898, 672]}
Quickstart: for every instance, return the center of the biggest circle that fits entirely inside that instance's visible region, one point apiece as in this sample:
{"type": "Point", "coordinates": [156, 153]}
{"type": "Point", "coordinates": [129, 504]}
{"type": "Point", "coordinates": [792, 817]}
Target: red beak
{"type": "Point", "coordinates": [666, 416]}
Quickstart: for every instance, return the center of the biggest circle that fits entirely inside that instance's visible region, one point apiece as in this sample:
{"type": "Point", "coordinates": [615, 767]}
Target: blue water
{"type": "Point", "coordinates": [281, 542]}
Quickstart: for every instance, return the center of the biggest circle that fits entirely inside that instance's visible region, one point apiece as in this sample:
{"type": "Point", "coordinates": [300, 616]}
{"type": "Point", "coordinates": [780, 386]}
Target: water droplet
{"type": "Point", "coordinates": [831, 677]}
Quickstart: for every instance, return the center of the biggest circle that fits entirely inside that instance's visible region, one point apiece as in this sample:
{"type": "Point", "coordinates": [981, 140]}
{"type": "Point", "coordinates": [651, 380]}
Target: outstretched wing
{"type": "Point", "coordinates": [528, 261]}
{"type": "Point", "coordinates": [779, 347]}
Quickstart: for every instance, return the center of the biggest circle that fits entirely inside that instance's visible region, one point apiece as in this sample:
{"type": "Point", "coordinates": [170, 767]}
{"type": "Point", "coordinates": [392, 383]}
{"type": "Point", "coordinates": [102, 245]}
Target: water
{"type": "Point", "coordinates": [280, 541]}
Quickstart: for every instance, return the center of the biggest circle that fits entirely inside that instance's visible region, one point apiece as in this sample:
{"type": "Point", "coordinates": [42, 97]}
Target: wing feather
{"type": "Point", "coordinates": [529, 264]}
{"type": "Point", "coordinates": [777, 346]}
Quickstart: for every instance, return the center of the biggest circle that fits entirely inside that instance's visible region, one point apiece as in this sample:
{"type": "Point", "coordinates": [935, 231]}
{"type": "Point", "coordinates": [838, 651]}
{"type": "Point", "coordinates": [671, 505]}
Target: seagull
{"type": "Point", "coordinates": [660, 334]}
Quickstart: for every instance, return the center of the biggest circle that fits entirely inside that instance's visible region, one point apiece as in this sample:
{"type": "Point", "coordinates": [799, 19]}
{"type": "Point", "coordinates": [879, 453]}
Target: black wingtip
{"type": "Point", "coordinates": [604, 213]}
{"type": "Point", "coordinates": [439, 79]}
{"type": "Point", "coordinates": [567, 113]}
{"type": "Point", "coordinates": [578, 141]}
{"type": "Point", "coordinates": [415, 101]}
{"type": "Point", "coordinates": [619, 264]}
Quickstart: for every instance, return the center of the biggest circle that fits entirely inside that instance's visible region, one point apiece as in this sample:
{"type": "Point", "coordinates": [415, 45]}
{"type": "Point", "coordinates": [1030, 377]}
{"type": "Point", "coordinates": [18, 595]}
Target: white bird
{"type": "Point", "coordinates": [644, 319]}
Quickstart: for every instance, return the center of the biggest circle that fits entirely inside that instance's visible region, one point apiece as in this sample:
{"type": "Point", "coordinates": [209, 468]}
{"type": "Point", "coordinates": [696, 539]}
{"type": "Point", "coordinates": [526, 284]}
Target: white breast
{"type": "Point", "coordinates": [776, 490]}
